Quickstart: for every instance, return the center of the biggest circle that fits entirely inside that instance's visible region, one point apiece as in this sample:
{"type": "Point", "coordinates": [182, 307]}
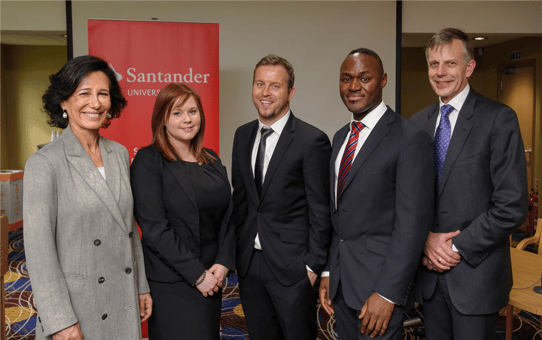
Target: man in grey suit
{"type": "Point", "coordinates": [481, 197]}
{"type": "Point", "coordinates": [382, 175]}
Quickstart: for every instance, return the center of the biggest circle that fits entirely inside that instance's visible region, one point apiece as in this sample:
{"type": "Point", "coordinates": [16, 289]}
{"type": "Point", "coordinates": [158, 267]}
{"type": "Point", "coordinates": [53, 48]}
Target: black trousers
{"type": "Point", "coordinates": [180, 312]}
{"type": "Point", "coordinates": [349, 325]}
{"type": "Point", "coordinates": [444, 322]}
{"type": "Point", "coordinates": [273, 311]}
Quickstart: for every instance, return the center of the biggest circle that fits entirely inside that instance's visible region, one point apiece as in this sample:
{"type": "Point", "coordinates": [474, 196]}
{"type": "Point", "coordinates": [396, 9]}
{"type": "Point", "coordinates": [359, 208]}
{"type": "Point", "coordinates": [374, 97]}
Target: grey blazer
{"type": "Point", "coordinates": [82, 246]}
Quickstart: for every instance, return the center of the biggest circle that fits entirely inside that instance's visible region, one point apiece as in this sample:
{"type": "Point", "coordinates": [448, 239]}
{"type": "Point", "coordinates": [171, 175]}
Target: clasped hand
{"type": "Point", "coordinates": [214, 280]}
{"type": "Point", "coordinates": [439, 247]}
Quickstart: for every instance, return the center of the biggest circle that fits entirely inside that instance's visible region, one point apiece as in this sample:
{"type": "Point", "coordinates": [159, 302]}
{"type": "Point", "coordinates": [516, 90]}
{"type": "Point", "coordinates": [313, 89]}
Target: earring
{"type": "Point", "coordinates": [65, 114]}
{"type": "Point", "coordinates": [109, 116]}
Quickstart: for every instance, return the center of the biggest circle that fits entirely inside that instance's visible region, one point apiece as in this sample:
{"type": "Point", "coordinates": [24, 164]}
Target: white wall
{"type": "Point", "coordinates": [314, 36]}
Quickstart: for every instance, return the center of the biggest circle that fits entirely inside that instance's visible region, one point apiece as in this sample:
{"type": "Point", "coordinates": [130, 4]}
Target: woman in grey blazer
{"type": "Point", "coordinates": [83, 252]}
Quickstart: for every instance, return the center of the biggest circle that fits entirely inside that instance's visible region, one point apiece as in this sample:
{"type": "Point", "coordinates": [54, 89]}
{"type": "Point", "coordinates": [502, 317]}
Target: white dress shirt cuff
{"type": "Point", "coordinates": [454, 248]}
{"type": "Point", "coordinates": [387, 299]}
{"type": "Point", "coordinates": [325, 274]}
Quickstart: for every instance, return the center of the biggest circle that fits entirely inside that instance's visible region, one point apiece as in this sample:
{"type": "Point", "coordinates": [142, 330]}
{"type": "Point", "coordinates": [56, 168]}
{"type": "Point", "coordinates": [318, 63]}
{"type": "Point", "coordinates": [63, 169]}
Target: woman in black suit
{"type": "Point", "coordinates": [182, 201]}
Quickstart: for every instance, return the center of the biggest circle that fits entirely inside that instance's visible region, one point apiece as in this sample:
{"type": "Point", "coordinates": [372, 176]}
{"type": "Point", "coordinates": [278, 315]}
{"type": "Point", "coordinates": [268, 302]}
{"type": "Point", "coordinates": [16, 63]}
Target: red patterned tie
{"type": "Point", "coordinates": [348, 157]}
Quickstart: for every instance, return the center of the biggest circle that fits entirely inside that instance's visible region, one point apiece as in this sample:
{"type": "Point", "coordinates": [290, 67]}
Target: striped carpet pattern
{"type": "Point", "coordinates": [21, 312]}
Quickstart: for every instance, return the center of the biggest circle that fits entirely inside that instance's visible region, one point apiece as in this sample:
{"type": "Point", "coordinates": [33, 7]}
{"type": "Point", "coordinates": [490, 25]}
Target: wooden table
{"type": "Point", "coordinates": [527, 269]}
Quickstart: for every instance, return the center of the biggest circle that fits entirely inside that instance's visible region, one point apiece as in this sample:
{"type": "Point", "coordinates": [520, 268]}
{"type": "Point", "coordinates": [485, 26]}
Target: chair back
{"type": "Point", "coordinates": [533, 239]}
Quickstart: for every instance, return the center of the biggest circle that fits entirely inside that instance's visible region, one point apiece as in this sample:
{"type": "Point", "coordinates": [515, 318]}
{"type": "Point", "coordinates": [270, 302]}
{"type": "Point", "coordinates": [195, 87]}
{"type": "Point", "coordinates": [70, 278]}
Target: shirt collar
{"type": "Point", "coordinates": [277, 126]}
{"type": "Point", "coordinates": [370, 120]}
{"type": "Point", "coordinates": [457, 101]}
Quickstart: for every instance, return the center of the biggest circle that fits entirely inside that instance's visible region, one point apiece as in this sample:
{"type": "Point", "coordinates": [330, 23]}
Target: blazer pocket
{"type": "Point", "coordinates": [468, 160]}
{"type": "Point", "coordinates": [374, 170]}
{"type": "Point", "coordinates": [377, 247]}
{"type": "Point", "coordinates": [296, 236]}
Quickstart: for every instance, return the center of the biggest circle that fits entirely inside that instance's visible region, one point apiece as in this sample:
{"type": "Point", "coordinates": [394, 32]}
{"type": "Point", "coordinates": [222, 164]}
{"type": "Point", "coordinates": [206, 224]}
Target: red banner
{"type": "Point", "coordinates": [148, 55]}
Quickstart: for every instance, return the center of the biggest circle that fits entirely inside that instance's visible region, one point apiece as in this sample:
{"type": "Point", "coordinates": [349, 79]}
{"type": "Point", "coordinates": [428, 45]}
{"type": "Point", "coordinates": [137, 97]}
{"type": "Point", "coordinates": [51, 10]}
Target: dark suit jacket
{"type": "Point", "coordinates": [292, 216]}
{"type": "Point", "coordinates": [384, 213]}
{"type": "Point", "coordinates": [483, 193]}
{"type": "Point", "coordinates": [166, 210]}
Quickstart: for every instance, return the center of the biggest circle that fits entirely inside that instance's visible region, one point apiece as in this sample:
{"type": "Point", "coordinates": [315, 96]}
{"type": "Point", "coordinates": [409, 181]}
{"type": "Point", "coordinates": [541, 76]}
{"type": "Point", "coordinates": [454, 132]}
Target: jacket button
{"type": "Point", "coordinates": [128, 270]}
{"type": "Point", "coordinates": [97, 242]}
{"type": "Point", "coordinates": [343, 239]}
{"type": "Point", "coordinates": [334, 210]}
{"type": "Point", "coordinates": [101, 280]}
{"type": "Point", "coordinates": [104, 316]}
{"type": "Point", "coordinates": [131, 234]}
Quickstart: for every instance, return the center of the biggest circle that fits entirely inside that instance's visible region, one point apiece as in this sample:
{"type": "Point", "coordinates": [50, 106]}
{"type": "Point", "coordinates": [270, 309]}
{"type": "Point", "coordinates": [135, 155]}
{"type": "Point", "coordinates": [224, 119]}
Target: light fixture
{"type": "Point", "coordinates": [480, 38]}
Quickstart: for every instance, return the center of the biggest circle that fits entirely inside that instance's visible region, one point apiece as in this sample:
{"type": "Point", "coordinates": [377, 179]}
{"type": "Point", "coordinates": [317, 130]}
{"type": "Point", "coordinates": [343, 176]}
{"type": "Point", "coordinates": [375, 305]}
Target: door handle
{"type": "Point", "coordinates": [529, 151]}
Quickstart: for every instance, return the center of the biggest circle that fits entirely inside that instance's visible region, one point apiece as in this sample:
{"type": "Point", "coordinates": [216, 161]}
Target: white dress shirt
{"type": "Point", "coordinates": [270, 144]}
{"type": "Point", "coordinates": [369, 122]}
{"type": "Point", "coordinates": [457, 103]}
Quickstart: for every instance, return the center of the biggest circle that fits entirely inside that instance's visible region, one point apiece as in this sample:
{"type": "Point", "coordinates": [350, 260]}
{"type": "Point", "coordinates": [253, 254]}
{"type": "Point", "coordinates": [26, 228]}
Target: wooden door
{"type": "Point", "coordinates": [516, 89]}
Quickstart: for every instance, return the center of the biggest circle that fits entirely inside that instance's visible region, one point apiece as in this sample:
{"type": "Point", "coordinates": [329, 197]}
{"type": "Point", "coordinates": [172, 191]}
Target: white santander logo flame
{"type": "Point", "coordinates": [117, 75]}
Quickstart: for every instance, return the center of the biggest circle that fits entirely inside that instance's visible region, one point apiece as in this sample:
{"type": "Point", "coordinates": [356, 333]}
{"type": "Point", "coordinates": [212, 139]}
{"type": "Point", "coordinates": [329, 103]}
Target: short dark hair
{"type": "Point", "coordinates": [165, 100]}
{"type": "Point", "coordinates": [65, 82]}
{"type": "Point", "coordinates": [446, 36]}
{"type": "Point", "coordinates": [372, 54]}
{"type": "Point", "coordinates": [272, 59]}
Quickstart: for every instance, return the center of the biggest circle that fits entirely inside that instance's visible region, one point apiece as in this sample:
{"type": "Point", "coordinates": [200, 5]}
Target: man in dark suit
{"type": "Point", "coordinates": [382, 175]}
{"type": "Point", "coordinates": [481, 197]}
{"type": "Point", "coordinates": [281, 209]}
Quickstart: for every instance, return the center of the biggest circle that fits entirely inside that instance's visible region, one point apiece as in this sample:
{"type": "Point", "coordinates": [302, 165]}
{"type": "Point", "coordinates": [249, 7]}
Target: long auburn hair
{"type": "Point", "coordinates": [165, 100]}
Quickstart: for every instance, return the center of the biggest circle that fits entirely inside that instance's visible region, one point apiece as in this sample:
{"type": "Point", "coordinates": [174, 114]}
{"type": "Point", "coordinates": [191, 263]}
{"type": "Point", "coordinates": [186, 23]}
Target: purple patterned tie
{"type": "Point", "coordinates": [348, 157]}
{"type": "Point", "coordinates": [442, 139]}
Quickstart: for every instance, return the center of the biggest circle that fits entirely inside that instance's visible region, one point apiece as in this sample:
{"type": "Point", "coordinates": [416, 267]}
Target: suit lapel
{"type": "Point", "coordinates": [337, 144]}
{"type": "Point", "coordinates": [284, 140]}
{"type": "Point", "coordinates": [112, 168]}
{"type": "Point", "coordinates": [459, 136]}
{"type": "Point", "coordinates": [431, 123]}
{"type": "Point", "coordinates": [380, 130]}
{"type": "Point", "coordinates": [80, 160]}
{"type": "Point", "coordinates": [179, 172]}
{"type": "Point", "coordinates": [247, 161]}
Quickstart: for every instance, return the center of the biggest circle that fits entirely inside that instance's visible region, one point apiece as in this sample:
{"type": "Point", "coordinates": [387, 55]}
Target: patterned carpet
{"type": "Point", "coordinates": [21, 312]}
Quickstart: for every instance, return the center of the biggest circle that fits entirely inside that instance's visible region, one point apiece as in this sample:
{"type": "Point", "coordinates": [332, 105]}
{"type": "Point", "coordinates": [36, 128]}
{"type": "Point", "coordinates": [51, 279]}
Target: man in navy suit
{"type": "Point", "coordinates": [382, 195]}
{"type": "Point", "coordinates": [280, 178]}
{"type": "Point", "coordinates": [481, 197]}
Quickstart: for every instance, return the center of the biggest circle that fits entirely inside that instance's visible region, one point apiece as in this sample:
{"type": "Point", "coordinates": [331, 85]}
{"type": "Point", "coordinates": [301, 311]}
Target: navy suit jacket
{"type": "Point", "coordinates": [483, 193]}
{"type": "Point", "coordinates": [384, 213]}
{"type": "Point", "coordinates": [292, 215]}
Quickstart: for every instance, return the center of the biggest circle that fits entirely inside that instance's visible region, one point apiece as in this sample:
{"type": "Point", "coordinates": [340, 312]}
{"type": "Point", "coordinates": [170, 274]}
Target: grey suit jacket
{"type": "Point", "coordinates": [383, 215]}
{"type": "Point", "coordinates": [483, 193]}
{"type": "Point", "coordinates": [81, 242]}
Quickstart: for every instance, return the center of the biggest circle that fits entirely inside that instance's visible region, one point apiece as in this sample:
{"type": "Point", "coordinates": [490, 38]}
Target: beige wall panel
{"type": "Point", "coordinates": [314, 36]}
{"type": "Point", "coordinates": [33, 15]}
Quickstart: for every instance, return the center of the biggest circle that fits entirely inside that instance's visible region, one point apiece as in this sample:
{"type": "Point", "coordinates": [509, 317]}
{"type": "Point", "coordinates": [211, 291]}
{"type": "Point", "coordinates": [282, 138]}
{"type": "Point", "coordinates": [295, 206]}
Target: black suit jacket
{"type": "Point", "coordinates": [384, 213]}
{"type": "Point", "coordinates": [483, 193]}
{"type": "Point", "coordinates": [292, 216]}
{"type": "Point", "coordinates": [166, 210]}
